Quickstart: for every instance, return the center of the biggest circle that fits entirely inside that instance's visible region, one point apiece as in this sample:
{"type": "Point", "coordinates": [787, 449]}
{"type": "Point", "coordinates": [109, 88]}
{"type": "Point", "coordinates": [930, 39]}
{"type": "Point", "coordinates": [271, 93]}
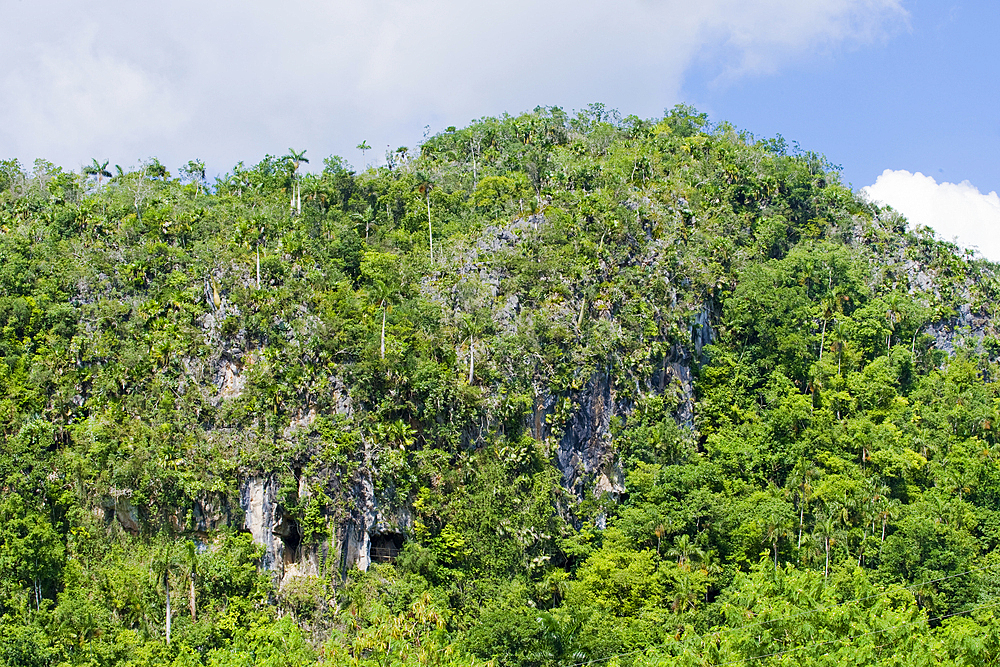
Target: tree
{"type": "Point", "coordinates": [889, 509]}
{"type": "Point", "coordinates": [424, 188]}
{"type": "Point", "coordinates": [474, 326]}
{"type": "Point", "coordinates": [137, 183]}
{"type": "Point", "coordinates": [296, 158]}
{"type": "Point", "coordinates": [191, 553]}
{"type": "Point", "coordinates": [710, 568]}
{"type": "Point", "coordinates": [803, 473]}
{"type": "Point", "coordinates": [364, 148]}
{"type": "Point", "coordinates": [826, 529]}
{"type": "Point", "coordinates": [97, 169]}
{"type": "Point", "coordinates": [30, 549]}
{"type": "Point", "coordinates": [155, 169]}
{"type": "Point", "coordinates": [894, 313]}
{"type": "Point", "coordinates": [165, 570]}
{"type": "Point", "coordinates": [560, 635]}
{"type": "Point", "coordinates": [194, 172]}
{"type": "Point", "coordinates": [684, 550]}
{"type": "Point", "coordinates": [381, 271]}
{"type": "Point", "coordinates": [778, 526]}
{"type": "Point", "coordinates": [839, 339]}
{"type": "Point", "coordinates": [831, 305]}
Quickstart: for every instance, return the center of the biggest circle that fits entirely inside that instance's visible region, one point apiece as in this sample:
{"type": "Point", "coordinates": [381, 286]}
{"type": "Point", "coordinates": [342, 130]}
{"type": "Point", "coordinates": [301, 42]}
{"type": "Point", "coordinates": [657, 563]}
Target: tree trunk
{"type": "Point", "coordinates": [472, 353]}
{"type": "Point", "coordinates": [822, 340]}
{"type": "Point", "coordinates": [802, 514]}
{"type": "Point", "coordinates": [194, 607]}
{"type": "Point", "coordinates": [430, 231]}
{"type": "Point", "coordinates": [382, 347]}
{"type": "Point", "coordinates": [258, 266]}
{"type": "Point", "coordinates": [166, 585]}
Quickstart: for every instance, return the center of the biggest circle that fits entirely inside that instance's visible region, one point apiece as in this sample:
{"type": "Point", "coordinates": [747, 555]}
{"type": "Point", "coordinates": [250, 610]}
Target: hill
{"type": "Point", "coordinates": [550, 389]}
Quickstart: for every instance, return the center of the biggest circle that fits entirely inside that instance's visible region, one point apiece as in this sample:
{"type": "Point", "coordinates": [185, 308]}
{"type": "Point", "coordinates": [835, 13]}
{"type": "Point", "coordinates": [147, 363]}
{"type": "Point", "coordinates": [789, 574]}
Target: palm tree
{"type": "Point", "coordinates": [710, 567]}
{"type": "Point", "coordinates": [97, 169]}
{"type": "Point", "coordinates": [260, 237]}
{"type": "Point", "coordinates": [805, 472]}
{"type": "Point", "coordinates": [296, 158]}
{"type": "Point", "coordinates": [364, 148]}
{"type": "Point", "coordinates": [685, 594]}
{"type": "Point", "coordinates": [826, 528]}
{"type": "Point", "coordinates": [561, 636]}
{"type": "Point", "coordinates": [831, 305]}
{"type": "Point", "coordinates": [368, 217]}
{"type": "Point", "coordinates": [684, 550]}
{"type": "Point", "coordinates": [424, 188]}
{"type": "Point", "coordinates": [840, 337]}
{"type": "Point", "coordinates": [400, 433]}
{"type": "Point", "coordinates": [164, 575]}
{"type": "Point", "coordinates": [890, 510]}
{"type": "Point", "coordinates": [474, 326]}
{"type": "Point", "coordinates": [778, 526]}
{"type": "Point", "coordinates": [893, 315]}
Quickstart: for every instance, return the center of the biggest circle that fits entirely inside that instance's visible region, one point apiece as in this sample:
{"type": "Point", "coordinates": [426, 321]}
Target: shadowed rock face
{"type": "Point", "coordinates": [586, 456]}
{"type": "Point", "coordinates": [118, 507]}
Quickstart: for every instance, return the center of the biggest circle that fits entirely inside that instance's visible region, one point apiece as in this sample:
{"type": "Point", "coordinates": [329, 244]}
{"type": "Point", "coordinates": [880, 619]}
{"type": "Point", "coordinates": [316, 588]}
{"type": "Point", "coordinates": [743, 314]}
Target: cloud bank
{"type": "Point", "coordinates": [956, 211]}
{"type": "Point", "coordinates": [230, 80]}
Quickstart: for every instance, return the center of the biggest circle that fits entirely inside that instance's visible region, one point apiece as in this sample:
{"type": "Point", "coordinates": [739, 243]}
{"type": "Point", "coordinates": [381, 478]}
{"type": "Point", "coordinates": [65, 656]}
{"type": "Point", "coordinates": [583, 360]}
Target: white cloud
{"type": "Point", "coordinates": [230, 80]}
{"type": "Point", "coordinates": [75, 96]}
{"type": "Point", "coordinates": [956, 211]}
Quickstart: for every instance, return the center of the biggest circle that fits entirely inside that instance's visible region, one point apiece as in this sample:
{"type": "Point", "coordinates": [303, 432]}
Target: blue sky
{"type": "Point", "coordinates": [907, 86]}
{"type": "Point", "coordinates": [925, 97]}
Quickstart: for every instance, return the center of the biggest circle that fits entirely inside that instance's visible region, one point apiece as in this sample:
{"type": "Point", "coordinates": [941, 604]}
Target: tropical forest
{"type": "Point", "coordinates": [557, 389]}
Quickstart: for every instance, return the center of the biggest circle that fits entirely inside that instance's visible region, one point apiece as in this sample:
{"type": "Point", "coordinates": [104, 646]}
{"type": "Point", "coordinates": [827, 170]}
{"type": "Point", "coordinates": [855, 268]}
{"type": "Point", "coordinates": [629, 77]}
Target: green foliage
{"type": "Point", "coordinates": [643, 391]}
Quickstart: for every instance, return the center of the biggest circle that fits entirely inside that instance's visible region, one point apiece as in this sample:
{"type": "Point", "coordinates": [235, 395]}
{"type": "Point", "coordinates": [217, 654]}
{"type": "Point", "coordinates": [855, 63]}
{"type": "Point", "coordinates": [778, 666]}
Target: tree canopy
{"type": "Point", "coordinates": [629, 391]}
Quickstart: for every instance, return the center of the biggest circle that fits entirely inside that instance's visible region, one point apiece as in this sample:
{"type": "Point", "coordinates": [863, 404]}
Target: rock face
{"type": "Point", "coordinates": [357, 531]}
{"type": "Point", "coordinates": [579, 420]}
{"type": "Point", "coordinates": [258, 498]}
{"type": "Point", "coordinates": [118, 507]}
{"type": "Point", "coordinates": [575, 424]}
{"type": "Point", "coordinates": [279, 533]}
{"type": "Point", "coordinates": [965, 325]}
{"type": "Point", "coordinates": [585, 454]}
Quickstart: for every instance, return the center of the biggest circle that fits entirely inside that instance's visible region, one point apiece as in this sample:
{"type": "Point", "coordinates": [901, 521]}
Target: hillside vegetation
{"type": "Point", "coordinates": [600, 390]}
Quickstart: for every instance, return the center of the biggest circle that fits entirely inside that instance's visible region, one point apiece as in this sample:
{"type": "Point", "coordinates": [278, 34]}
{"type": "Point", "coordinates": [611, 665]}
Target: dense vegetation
{"type": "Point", "coordinates": [798, 463]}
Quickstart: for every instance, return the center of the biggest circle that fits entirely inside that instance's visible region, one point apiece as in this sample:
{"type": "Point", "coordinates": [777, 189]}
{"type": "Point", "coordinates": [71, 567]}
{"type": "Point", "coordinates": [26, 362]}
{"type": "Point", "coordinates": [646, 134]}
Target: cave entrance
{"type": "Point", "coordinates": [385, 547]}
{"type": "Point", "coordinates": [287, 529]}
